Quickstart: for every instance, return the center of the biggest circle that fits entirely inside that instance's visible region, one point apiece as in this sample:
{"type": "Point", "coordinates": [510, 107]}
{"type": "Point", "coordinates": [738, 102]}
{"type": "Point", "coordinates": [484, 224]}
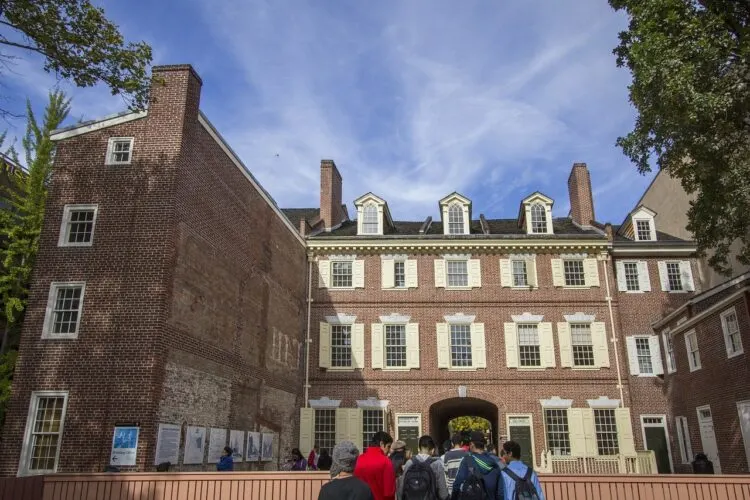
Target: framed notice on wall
{"type": "Point", "coordinates": [216, 444]}
{"type": "Point", "coordinates": [167, 444]}
{"type": "Point", "coordinates": [237, 443]}
{"type": "Point", "coordinates": [195, 445]}
{"type": "Point", "coordinates": [124, 446]}
{"type": "Point", "coordinates": [253, 446]}
{"type": "Point", "coordinates": [267, 451]}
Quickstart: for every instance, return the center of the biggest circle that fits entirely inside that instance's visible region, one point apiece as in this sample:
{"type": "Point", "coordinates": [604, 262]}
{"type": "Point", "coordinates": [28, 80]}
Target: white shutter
{"type": "Point", "coordinates": [376, 344]}
{"type": "Point", "coordinates": [576, 432]}
{"type": "Point", "coordinates": [566, 345]}
{"type": "Point", "coordinates": [443, 345]}
{"type": "Point", "coordinates": [653, 347]}
{"type": "Point", "coordinates": [412, 345]}
{"type": "Point", "coordinates": [342, 424]}
{"type": "Point", "coordinates": [358, 345]}
{"type": "Point", "coordinates": [632, 356]}
{"type": "Point", "coordinates": [558, 273]}
{"type": "Point", "coordinates": [589, 432]}
{"type": "Point", "coordinates": [665, 343]}
{"type": "Point", "coordinates": [644, 280]}
{"type": "Point", "coordinates": [439, 273]}
{"type": "Point", "coordinates": [625, 431]}
{"type": "Point", "coordinates": [358, 273]}
{"type": "Point", "coordinates": [531, 272]}
{"type": "Point", "coordinates": [387, 272]}
{"type": "Point", "coordinates": [687, 276]}
{"type": "Point", "coordinates": [478, 349]}
{"type": "Point", "coordinates": [663, 277]}
{"type": "Point", "coordinates": [324, 273]}
{"type": "Point", "coordinates": [325, 345]}
{"type": "Point", "coordinates": [412, 278]}
{"type": "Point", "coordinates": [506, 277]}
{"type": "Point", "coordinates": [601, 350]}
{"type": "Point", "coordinates": [622, 285]}
{"type": "Point", "coordinates": [511, 345]}
{"type": "Point", "coordinates": [591, 271]}
{"type": "Point", "coordinates": [547, 345]}
{"type": "Point", "coordinates": [306, 429]}
{"type": "Point", "coordinates": [354, 422]}
{"type": "Point", "coordinates": [475, 273]}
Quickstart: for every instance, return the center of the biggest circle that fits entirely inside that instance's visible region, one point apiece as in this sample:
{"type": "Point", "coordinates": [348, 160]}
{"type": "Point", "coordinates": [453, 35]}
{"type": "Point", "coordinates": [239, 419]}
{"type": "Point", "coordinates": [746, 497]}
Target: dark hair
{"type": "Point", "coordinates": [426, 443]}
{"type": "Point", "coordinates": [456, 438]}
{"type": "Point", "coordinates": [512, 448]}
{"type": "Point", "coordinates": [381, 437]}
{"type": "Point", "coordinates": [491, 448]}
{"type": "Point", "coordinates": [297, 453]}
{"type": "Point", "coordinates": [324, 452]}
{"type": "Point", "coordinates": [447, 445]}
{"type": "Point", "coordinates": [465, 438]}
{"type": "Point", "coordinates": [228, 450]}
{"type": "Point", "coordinates": [398, 459]}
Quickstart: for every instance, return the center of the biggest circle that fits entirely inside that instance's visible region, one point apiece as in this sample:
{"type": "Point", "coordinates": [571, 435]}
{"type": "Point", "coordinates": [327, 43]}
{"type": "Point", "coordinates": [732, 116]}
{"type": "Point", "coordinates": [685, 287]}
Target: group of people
{"type": "Point", "coordinates": [469, 470]}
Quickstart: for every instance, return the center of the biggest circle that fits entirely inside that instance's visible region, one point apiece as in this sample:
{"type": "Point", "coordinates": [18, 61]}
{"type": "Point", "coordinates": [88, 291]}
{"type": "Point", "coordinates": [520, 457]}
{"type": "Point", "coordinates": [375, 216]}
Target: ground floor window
{"type": "Point", "coordinates": [558, 432]}
{"type": "Point", "coordinates": [325, 428]}
{"type": "Point", "coordinates": [44, 432]}
{"type": "Point", "coordinates": [606, 432]}
{"type": "Point", "coordinates": [372, 422]}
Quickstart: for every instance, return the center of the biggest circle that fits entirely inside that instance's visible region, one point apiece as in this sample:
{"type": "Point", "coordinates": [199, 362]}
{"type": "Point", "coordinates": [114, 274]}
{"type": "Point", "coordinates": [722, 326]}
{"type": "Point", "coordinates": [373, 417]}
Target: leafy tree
{"type": "Point", "coordinates": [78, 43]}
{"type": "Point", "coordinates": [468, 424]}
{"type": "Point", "coordinates": [691, 76]}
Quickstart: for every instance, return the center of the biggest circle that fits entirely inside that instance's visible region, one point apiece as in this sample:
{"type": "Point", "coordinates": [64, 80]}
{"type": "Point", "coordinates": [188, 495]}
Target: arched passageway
{"type": "Point", "coordinates": [444, 411]}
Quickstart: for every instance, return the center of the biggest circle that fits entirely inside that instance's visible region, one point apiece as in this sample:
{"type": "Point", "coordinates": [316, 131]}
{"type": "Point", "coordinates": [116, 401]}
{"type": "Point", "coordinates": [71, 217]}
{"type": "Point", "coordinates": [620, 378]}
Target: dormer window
{"type": "Point", "coordinates": [456, 219]}
{"type": "Point", "coordinates": [372, 215]}
{"type": "Point", "coordinates": [642, 227]}
{"type": "Point", "coordinates": [535, 214]}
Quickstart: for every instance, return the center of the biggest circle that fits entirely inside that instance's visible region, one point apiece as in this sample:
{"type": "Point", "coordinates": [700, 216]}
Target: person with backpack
{"type": "Point", "coordinates": [452, 460]}
{"type": "Point", "coordinates": [519, 480]}
{"type": "Point", "coordinates": [478, 476]}
{"type": "Point", "coordinates": [424, 476]}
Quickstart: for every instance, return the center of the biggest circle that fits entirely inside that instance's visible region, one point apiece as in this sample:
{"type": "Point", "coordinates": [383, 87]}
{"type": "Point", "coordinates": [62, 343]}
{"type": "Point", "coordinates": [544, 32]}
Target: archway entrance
{"type": "Point", "coordinates": [442, 412]}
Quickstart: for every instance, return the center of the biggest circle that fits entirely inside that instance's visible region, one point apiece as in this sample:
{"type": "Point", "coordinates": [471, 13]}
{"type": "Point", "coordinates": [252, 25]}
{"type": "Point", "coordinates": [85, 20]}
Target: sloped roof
{"type": "Point", "coordinates": [297, 214]}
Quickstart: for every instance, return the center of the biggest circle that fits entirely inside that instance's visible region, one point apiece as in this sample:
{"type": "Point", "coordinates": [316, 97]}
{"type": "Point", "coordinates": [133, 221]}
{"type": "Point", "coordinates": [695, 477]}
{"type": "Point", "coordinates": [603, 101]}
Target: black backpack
{"type": "Point", "coordinates": [474, 488]}
{"type": "Point", "coordinates": [419, 481]}
{"type": "Point", "coordinates": [525, 489]}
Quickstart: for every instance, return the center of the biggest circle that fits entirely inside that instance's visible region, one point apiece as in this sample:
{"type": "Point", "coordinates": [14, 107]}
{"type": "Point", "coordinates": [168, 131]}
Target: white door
{"type": "Point", "coordinates": [708, 436]}
{"type": "Point", "coordinates": [743, 409]}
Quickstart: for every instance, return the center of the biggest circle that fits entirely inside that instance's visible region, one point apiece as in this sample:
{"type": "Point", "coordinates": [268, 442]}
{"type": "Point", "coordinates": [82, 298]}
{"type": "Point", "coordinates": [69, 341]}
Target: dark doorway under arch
{"type": "Point", "coordinates": [444, 411]}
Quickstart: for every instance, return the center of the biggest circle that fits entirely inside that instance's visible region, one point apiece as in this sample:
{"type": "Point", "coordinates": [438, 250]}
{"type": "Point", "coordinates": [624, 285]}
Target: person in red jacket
{"type": "Point", "coordinates": [375, 468]}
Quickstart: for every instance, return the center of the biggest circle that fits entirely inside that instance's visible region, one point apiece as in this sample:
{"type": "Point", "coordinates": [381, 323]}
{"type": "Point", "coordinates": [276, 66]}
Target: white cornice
{"type": "Point", "coordinates": [341, 319]}
{"type": "Point", "coordinates": [459, 318]}
{"type": "Point", "coordinates": [85, 128]}
{"type": "Point", "coordinates": [556, 402]}
{"type": "Point", "coordinates": [658, 252]}
{"type": "Point", "coordinates": [579, 317]}
{"type": "Point", "coordinates": [603, 402]}
{"type": "Point", "coordinates": [527, 317]}
{"type": "Point", "coordinates": [413, 245]}
{"type": "Point", "coordinates": [395, 319]}
{"type": "Point", "coordinates": [342, 257]}
{"type": "Point", "coordinates": [324, 402]}
{"type": "Point", "coordinates": [372, 404]}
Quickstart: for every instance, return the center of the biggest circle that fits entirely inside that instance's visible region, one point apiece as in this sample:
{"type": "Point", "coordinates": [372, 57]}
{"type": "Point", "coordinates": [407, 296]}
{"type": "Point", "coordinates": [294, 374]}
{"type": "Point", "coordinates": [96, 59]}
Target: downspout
{"type": "Point", "coordinates": [308, 340]}
{"type": "Point", "coordinates": [615, 347]}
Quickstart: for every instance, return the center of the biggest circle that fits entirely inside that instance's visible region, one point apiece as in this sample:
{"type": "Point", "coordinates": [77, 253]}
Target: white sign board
{"type": "Point", "coordinates": [253, 446]}
{"type": "Point", "coordinates": [267, 452]}
{"type": "Point", "coordinates": [195, 445]}
{"type": "Point", "coordinates": [167, 444]}
{"type": "Point", "coordinates": [216, 444]}
{"type": "Point", "coordinates": [237, 443]}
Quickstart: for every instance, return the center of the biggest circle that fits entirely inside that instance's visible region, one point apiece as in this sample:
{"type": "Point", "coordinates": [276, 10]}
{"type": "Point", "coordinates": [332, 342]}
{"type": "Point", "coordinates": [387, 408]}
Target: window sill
{"type": "Point", "coordinates": [531, 368]}
{"type": "Point", "coordinates": [575, 287]}
{"type": "Point", "coordinates": [463, 369]}
{"type": "Point", "coordinates": [341, 369]}
{"type": "Point", "coordinates": [399, 369]}
{"type": "Point", "coordinates": [69, 336]}
{"type": "Point", "coordinates": [341, 289]}
{"type": "Point", "coordinates": [735, 354]}
{"type": "Point", "coordinates": [677, 291]}
{"type": "Point", "coordinates": [585, 368]}
{"type": "Point", "coordinates": [635, 291]}
{"type": "Point", "coordinates": [694, 369]}
{"type": "Point", "coordinates": [76, 245]}
{"type": "Point", "coordinates": [116, 164]}
{"type": "Point", "coordinates": [527, 287]}
{"type": "Point", "coordinates": [459, 288]}
{"type": "Point", "coordinates": [646, 375]}
{"type": "Point", "coordinates": [398, 288]}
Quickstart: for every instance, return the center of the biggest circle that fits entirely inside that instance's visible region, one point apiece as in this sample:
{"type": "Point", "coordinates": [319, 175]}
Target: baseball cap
{"type": "Point", "coordinates": [477, 437]}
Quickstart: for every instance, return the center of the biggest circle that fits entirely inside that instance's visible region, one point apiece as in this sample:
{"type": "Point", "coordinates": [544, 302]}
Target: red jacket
{"type": "Point", "coordinates": [374, 468]}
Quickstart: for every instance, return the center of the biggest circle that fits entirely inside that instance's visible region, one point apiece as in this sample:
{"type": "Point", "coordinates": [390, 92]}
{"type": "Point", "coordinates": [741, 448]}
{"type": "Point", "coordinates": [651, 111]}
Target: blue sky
{"type": "Point", "coordinates": [412, 99]}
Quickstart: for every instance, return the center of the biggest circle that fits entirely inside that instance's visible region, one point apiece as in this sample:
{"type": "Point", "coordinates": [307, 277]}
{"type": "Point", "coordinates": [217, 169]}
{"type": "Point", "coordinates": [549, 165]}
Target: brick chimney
{"type": "Point", "coordinates": [581, 199]}
{"type": "Point", "coordinates": [173, 102]}
{"type": "Point", "coordinates": [331, 212]}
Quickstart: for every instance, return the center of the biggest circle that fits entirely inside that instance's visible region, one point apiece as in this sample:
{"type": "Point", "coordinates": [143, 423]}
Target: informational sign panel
{"type": "Point", "coordinates": [124, 446]}
{"type": "Point", "coordinates": [216, 444]}
{"type": "Point", "coordinates": [408, 430]}
{"type": "Point", "coordinates": [253, 446]}
{"type": "Point", "coordinates": [195, 445]}
{"type": "Point", "coordinates": [167, 444]}
{"type": "Point", "coordinates": [520, 432]}
{"type": "Point", "coordinates": [267, 452]}
{"type": "Point", "coordinates": [237, 443]}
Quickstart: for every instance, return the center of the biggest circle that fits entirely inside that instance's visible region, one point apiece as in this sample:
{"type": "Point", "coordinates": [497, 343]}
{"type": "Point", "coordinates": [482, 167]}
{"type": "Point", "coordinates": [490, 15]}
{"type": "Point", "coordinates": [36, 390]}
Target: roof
{"type": "Point", "coordinates": [295, 215]}
{"type": "Point", "coordinates": [661, 239]}
{"type": "Point", "coordinates": [563, 227]}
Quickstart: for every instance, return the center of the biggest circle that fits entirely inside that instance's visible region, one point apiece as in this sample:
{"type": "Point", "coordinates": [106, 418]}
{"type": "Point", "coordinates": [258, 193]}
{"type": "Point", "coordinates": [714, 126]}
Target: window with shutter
{"type": "Point", "coordinates": [731, 328]}
{"type": "Point", "coordinates": [460, 345]}
{"type": "Point", "coordinates": [691, 346]}
{"type": "Point", "coordinates": [607, 442]}
{"type": "Point", "coordinates": [511, 345]}
{"type": "Point", "coordinates": [395, 346]}
{"type": "Point", "coordinates": [325, 428]}
{"type": "Point", "coordinates": [557, 431]}
{"type": "Point", "coordinates": [306, 429]}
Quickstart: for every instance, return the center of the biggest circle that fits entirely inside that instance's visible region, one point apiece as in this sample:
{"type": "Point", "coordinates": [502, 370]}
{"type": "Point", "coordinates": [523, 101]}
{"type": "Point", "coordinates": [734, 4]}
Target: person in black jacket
{"type": "Point", "coordinates": [324, 460]}
{"type": "Point", "coordinates": [343, 483]}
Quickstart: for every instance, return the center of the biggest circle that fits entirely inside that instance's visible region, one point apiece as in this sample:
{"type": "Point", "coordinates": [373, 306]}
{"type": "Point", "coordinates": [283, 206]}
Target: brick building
{"type": "Point", "coordinates": [172, 289]}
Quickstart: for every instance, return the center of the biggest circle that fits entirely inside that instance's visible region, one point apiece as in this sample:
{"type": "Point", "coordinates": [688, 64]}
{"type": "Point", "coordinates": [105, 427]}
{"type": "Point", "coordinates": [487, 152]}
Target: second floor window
{"type": "Point", "coordinates": [458, 273]}
{"type": "Point", "coordinates": [582, 344]}
{"type": "Point", "coordinates": [574, 272]}
{"type": "Point", "coordinates": [671, 362]}
{"type": "Point", "coordinates": [341, 346]}
{"type": "Point", "coordinates": [64, 311]}
{"type": "Point", "coordinates": [528, 345]}
{"type": "Point", "coordinates": [731, 328]}
{"type": "Point", "coordinates": [395, 346]}
{"type": "Point", "coordinates": [520, 277]}
{"type": "Point", "coordinates": [119, 150]}
{"type": "Point", "coordinates": [456, 219]}
{"type": "Point", "coordinates": [460, 345]}
{"type": "Point", "coordinates": [631, 276]}
{"type": "Point", "coordinates": [399, 274]}
{"type": "Point", "coordinates": [370, 219]}
{"type": "Point", "coordinates": [78, 225]}
{"type": "Point", "coordinates": [643, 351]}
{"type": "Point", "coordinates": [538, 218]}
{"type": "Point", "coordinates": [694, 355]}
{"type": "Point", "coordinates": [341, 274]}
{"type": "Point", "coordinates": [674, 275]}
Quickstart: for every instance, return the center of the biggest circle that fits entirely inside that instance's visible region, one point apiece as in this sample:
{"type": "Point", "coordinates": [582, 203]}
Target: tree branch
{"type": "Point", "coordinates": [22, 46]}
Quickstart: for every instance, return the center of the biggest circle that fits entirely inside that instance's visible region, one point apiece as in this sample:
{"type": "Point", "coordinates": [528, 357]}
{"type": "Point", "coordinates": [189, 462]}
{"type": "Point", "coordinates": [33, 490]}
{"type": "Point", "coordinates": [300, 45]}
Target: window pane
{"type": "Point", "coordinates": [395, 346]}
{"type": "Point", "coordinates": [458, 274]}
{"type": "Point", "coordinates": [574, 275]}
{"type": "Point", "coordinates": [341, 345]}
{"type": "Point", "coordinates": [456, 219]}
{"type": "Point", "coordinates": [342, 274]}
{"type": "Point", "coordinates": [606, 432]}
{"type": "Point", "coordinates": [733, 332]}
{"type": "Point", "coordinates": [631, 276]}
{"type": "Point", "coordinates": [674, 276]}
{"type": "Point", "coordinates": [558, 437]}
{"type": "Point", "coordinates": [670, 352]}
{"type": "Point", "coordinates": [372, 422]}
{"type": "Point", "coordinates": [45, 433]}
{"type": "Point", "coordinates": [370, 219]}
{"type": "Point", "coordinates": [538, 218]}
{"type": "Point", "coordinates": [80, 226]}
{"type": "Point", "coordinates": [325, 429]}
{"type": "Point", "coordinates": [519, 273]}
{"type": "Point", "coordinates": [121, 151]}
{"type": "Point", "coordinates": [644, 230]}
{"type": "Point", "coordinates": [67, 307]}
{"type": "Point", "coordinates": [528, 345]}
{"type": "Point", "coordinates": [399, 274]}
{"type": "Point", "coordinates": [460, 345]}
{"type": "Point", "coordinates": [583, 345]}
{"type": "Point", "coordinates": [643, 351]}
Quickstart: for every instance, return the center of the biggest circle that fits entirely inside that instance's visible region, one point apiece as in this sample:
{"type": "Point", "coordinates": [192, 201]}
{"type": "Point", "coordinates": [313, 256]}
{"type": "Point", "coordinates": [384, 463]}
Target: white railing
{"type": "Point", "coordinates": [644, 462]}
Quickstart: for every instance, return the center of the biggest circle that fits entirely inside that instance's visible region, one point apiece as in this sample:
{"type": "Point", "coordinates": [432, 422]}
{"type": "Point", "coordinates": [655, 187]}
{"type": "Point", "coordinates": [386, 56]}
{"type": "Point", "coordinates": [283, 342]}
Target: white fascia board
{"type": "Point", "coordinates": [97, 125]}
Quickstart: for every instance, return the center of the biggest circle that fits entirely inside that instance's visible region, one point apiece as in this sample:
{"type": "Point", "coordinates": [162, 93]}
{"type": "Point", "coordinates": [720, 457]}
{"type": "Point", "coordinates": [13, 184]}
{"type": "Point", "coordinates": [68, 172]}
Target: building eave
{"type": "Point", "coordinates": [439, 244]}
{"type": "Point", "coordinates": [91, 126]}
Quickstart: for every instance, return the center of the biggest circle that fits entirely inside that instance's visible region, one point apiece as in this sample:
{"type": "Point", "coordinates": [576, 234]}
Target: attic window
{"type": "Point", "coordinates": [643, 230]}
{"type": "Point", "coordinates": [456, 219]}
{"type": "Point", "coordinates": [370, 219]}
{"type": "Point", "coordinates": [538, 218]}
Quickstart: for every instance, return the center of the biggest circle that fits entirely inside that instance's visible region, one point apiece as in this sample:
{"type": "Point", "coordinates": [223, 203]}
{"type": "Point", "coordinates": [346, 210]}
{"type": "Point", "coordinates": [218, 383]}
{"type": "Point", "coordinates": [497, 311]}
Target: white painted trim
{"type": "Point", "coordinates": [241, 166]}
{"type": "Point", "coordinates": [324, 403]}
{"type": "Point", "coordinates": [603, 402]}
{"type": "Point", "coordinates": [49, 316]}
{"type": "Point", "coordinates": [527, 317]}
{"type": "Point", "coordinates": [341, 319]}
{"type": "Point", "coordinates": [62, 238]}
{"type": "Point", "coordinates": [395, 319]}
{"type": "Point", "coordinates": [693, 367]}
{"type": "Point", "coordinates": [530, 416]}
{"type": "Point", "coordinates": [108, 158]}
{"type": "Point", "coordinates": [711, 310]}
{"type": "Point", "coordinates": [555, 402]}
{"type": "Point", "coordinates": [346, 258]}
{"type": "Point", "coordinates": [394, 257]}
{"type": "Point", "coordinates": [580, 317]}
{"type": "Point", "coordinates": [725, 331]}
{"type": "Point", "coordinates": [666, 434]}
{"type": "Point", "coordinates": [459, 319]}
{"type": "Point", "coordinates": [395, 420]}
{"type": "Point", "coordinates": [574, 256]}
{"type": "Point", "coordinates": [660, 251]}
{"type": "Point", "coordinates": [372, 404]}
{"type": "Point", "coordinates": [23, 466]}
{"type": "Point", "coordinates": [97, 125]}
{"type": "Point", "coordinates": [480, 244]}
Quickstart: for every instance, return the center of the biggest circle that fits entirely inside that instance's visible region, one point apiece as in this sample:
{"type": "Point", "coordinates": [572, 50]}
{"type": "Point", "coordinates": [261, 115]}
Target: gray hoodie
{"type": "Point", "coordinates": [437, 470]}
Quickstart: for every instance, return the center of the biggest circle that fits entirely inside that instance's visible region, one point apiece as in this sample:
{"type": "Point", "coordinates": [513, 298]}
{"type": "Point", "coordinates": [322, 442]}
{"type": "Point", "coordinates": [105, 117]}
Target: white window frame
{"type": "Point", "coordinates": [451, 366]}
{"type": "Point", "coordinates": [351, 263]}
{"type": "Point", "coordinates": [401, 261]}
{"type": "Point", "coordinates": [625, 264]}
{"type": "Point", "coordinates": [49, 317]}
{"type": "Point", "coordinates": [535, 324]}
{"type": "Point", "coordinates": [526, 263]}
{"type": "Point", "coordinates": [582, 260]}
{"type": "Point", "coordinates": [538, 205]}
{"type": "Point", "coordinates": [66, 223]}
{"type": "Point", "coordinates": [725, 330]}
{"type": "Point", "coordinates": [647, 340]}
{"type": "Point", "coordinates": [374, 208]}
{"type": "Point", "coordinates": [110, 159]}
{"type": "Point", "coordinates": [693, 366]}
{"type": "Point", "coordinates": [23, 469]}
{"type": "Point", "coordinates": [465, 260]}
{"type": "Point", "coordinates": [453, 207]}
{"type": "Point", "coordinates": [651, 231]}
{"type": "Point", "coordinates": [669, 355]}
{"type": "Point", "coordinates": [663, 425]}
{"type": "Point", "coordinates": [403, 325]}
{"type": "Point", "coordinates": [683, 439]}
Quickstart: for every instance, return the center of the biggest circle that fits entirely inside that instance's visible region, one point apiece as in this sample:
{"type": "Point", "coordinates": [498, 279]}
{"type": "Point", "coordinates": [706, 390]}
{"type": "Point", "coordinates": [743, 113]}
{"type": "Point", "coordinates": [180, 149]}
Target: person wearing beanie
{"type": "Point", "coordinates": [344, 485]}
